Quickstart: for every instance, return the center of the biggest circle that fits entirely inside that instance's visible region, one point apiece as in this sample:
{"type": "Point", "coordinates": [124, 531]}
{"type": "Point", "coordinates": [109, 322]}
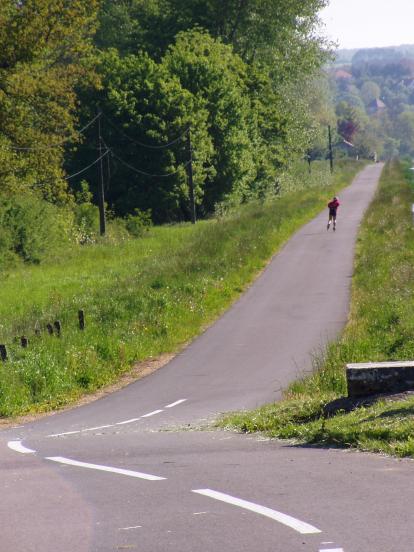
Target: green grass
{"type": "Point", "coordinates": [141, 298]}
{"type": "Point", "coordinates": [381, 327]}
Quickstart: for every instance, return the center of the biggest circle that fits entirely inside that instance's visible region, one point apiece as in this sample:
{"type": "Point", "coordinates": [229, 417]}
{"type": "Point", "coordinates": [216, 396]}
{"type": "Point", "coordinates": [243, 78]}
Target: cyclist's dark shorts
{"type": "Point", "coordinates": [332, 212]}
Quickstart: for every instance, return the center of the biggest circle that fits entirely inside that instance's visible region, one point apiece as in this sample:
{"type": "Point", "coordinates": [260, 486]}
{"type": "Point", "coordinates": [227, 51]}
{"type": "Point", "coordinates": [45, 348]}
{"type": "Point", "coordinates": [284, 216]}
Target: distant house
{"type": "Point", "coordinates": [341, 74]}
{"type": "Point", "coordinates": [376, 106]}
{"type": "Point", "coordinates": [408, 83]}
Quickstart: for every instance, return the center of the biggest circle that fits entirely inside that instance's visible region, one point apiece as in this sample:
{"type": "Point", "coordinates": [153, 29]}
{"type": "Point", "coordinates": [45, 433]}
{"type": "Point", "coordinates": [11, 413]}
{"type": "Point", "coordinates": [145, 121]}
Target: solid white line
{"type": "Point", "coordinates": [98, 467]}
{"type": "Point", "coordinates": [128, 421]}
{"type": "Point", "coordinates": [151, 413]}
{"type": "Point", "coordinates": [175, 403]}
{"type": "Point", "coordinates": [296, 524]}
{"type": "Point", "coordinates": [18, 447]}
{"type": "Point", "coordinates": [129, 528]}
{"type": "Point", "coordinates": [66, 433]}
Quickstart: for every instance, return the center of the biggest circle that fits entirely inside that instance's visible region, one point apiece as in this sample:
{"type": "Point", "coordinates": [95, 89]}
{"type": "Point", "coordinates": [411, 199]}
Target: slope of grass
{"type": "Point", "coordinates": [141, 298]}
{"type": "Point", "coordinates": [381, 327]}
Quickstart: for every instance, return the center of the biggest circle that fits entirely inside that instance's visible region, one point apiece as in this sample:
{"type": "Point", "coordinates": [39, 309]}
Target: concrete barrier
{"type": "Point", "coordinates": [372, 378]}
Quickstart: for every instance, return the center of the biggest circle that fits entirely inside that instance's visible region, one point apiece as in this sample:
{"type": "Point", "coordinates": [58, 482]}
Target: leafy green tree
{"type": "Point", "coordinates": [148, 106]}
{"type": "Point", "coordinates": [217, 77]}
{"type": "Point", "coordinates": [45, 47]}
{"type": "Point", "coordinates": [370, 91]}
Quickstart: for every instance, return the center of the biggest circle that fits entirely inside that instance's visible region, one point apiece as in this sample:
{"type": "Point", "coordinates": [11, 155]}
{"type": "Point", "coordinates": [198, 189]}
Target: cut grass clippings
{"type": "Point", "coordinates": [380, 328]}
{"type": "Point", "coordinates": [141, 298]}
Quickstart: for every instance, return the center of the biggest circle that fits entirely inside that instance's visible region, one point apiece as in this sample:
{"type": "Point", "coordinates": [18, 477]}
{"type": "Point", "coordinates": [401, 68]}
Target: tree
{"type": "Point", "coordinates": [45, 48]}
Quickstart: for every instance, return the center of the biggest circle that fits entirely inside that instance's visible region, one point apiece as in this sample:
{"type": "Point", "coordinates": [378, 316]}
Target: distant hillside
{"type": "Point", "coordinates": [346, 56]}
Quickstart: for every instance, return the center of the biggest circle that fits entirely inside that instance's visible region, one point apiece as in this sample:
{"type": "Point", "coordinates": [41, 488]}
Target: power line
{"type": "Point", "coordinates": [51, 146]}
{"type": "Point", "coordinates": [163, 146]}
{"type": "Point", "coordinates": [139, 171]}
{"type": "Point", "coordinates": [88, 167]}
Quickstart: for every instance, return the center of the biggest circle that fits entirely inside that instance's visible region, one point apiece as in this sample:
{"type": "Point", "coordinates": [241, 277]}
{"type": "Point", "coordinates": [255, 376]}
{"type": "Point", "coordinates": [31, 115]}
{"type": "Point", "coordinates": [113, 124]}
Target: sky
{"type": "Point", "coordinates": [369, 23]}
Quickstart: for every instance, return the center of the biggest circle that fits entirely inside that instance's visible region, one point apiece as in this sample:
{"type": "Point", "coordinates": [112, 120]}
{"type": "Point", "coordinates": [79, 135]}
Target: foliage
{"type": "Point", "coordinates": [375, 103]}
{"type": "Point", "coordinates": [138, 223]}
{"type": "Point", "coordinates": [240, 74]}
{"type": "Point", "coordinates": [44, 52]}
{"type": "Point", "coordinates": [31, 230]}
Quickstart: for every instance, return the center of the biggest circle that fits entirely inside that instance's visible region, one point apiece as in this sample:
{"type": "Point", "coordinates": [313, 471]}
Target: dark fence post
{"type": "Point", "coordinates": [49, 328]}
{"type": "Point", "coordinates": [58, 327]}
{"type": "Point", "coordinates": [24, 342]}
{"type": "Point", "coordinates": [81, 317]}
{"type": "Point", "coordinates": [3, 352]}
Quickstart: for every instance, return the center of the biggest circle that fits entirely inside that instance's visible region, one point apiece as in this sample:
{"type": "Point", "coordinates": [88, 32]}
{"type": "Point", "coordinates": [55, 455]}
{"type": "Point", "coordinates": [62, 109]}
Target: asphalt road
{"type": "Point", "coordinates": [132, 472]}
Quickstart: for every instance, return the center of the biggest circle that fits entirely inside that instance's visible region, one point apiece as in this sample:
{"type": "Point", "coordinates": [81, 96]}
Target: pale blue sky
{"type": "Point", "coordinates": [369, 23]}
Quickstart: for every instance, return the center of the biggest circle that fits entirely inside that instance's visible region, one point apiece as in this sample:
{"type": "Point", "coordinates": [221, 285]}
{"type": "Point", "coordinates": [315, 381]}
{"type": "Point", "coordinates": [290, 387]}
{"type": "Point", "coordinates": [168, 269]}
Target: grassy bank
{"type": "Point", "coordinates": [141, 298]}
{"type": "Point", "coordinates": [381, 327]}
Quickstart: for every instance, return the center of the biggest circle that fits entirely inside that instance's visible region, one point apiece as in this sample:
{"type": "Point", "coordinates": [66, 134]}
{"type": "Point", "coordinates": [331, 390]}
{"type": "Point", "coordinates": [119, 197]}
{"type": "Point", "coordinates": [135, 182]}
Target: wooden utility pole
{"type": "Point", "coordinates": [101, 191]}
{"type": "Point", "coordinates": [190, 177]}
{"type": "Point", "coordinates": [330, 148]}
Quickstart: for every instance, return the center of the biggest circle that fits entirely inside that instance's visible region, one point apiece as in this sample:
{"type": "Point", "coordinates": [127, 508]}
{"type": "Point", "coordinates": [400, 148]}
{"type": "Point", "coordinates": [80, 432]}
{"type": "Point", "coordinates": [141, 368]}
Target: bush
{"type": "Point", "coordinates": [138, 223]}
{"type": "Point", "coordinates": [30, 229]}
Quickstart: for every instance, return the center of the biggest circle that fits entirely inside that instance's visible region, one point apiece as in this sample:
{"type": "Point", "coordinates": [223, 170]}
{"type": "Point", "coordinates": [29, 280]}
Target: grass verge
{"type": "Point", "coordinates": [142, 298]}
{"type": "Point", "coordinates": [380, 327]}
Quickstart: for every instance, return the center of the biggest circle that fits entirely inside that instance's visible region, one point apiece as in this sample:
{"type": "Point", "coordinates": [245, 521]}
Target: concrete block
{"type": "Point", "coordinates": [372, 378]}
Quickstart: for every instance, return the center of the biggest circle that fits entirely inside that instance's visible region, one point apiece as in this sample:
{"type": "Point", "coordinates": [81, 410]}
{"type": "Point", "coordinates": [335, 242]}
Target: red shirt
{"type": "Point", "coordinates": [334, 204]}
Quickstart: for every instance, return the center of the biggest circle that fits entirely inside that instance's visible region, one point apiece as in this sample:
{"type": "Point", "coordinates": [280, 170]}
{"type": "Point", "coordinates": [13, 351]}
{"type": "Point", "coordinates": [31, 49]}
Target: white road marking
{"type": "Point", "coordinates": [331, 550]}
{"type": "Point", "coordinates": [199, 513]}
{"type": "Point", "coordinates": [128, 421]}
{"type": "Point", "coordinates": [65, 433]}
{"type": "Point", "coordinates": [129, 528]}
{"type": "Point", "coordinates": [151, 413]}
{"type": "Point", "coordinates": [98, 427]}
{"type": "Point", "coordinates": [18, 447]}
{"type": "Point", "coordinates": [175, 403]}
{"type": "Point", "coordinates": [130, 473]}
{"type": "Point", "coordinates": [296, 524]}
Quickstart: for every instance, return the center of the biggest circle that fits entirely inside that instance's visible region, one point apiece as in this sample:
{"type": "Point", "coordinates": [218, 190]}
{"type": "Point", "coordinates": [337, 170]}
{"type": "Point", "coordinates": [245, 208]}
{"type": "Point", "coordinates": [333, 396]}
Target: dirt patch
{"type": "Point", "coordinates": [140, 370]}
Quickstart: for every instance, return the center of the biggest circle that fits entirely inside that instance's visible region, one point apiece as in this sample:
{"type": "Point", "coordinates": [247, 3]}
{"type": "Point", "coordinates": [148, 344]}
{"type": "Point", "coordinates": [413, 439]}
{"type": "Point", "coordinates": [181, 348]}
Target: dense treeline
{"type": "Point", "coordinates": [230, 72]}
{"type": "Point", "coordinates": [243, 76]}
{"type": "Point", "coordinates": [375, 101]}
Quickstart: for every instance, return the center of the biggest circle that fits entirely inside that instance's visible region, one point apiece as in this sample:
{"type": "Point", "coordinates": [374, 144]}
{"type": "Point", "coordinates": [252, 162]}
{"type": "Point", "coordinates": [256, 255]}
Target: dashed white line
{"type": "Point", "coordinates": [120, 471]}
{"type": "Point", "coordinates": [129, 528]}
{"type": "Point", "coordinates": [176, 403]}
{"type": "Point", "coordinates": [65, 433]}
{"type": "Point", "coordinates": [293, 523]}
{"type": "Point", "coordinates": [98, 427]}
{"type": "Point", "coordinates": [18, 447]}
{"type": "Point", "coordinates": [151, 413]}
{"type": "Point", "coordinates": [128, 421]}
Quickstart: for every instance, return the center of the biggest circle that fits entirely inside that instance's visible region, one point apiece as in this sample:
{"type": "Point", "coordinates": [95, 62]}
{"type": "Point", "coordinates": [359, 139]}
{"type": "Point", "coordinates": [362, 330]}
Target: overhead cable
{"type": "Point", "coordinates": [142, 144]}
{"type": "Point", "coordinates": [88, 167]}
{"type": "Point", "coordinates": [139, 171]}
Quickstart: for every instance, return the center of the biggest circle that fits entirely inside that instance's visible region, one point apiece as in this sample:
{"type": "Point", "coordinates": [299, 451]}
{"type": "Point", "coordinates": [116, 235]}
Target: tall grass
{"type": "Point", "coordinates": [141, 298]}
{"type": "Point", "coordinates": [381, 327]}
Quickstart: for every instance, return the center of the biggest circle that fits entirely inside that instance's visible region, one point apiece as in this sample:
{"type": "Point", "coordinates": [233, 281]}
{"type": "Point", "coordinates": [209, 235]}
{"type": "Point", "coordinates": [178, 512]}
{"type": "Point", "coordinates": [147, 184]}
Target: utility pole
{"type": "Point", "coordinates": [330, 148]}
{"type": "Point", "coordinates": [190, 177]}
{"type": "Point", "coordinates": [101, 191]}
